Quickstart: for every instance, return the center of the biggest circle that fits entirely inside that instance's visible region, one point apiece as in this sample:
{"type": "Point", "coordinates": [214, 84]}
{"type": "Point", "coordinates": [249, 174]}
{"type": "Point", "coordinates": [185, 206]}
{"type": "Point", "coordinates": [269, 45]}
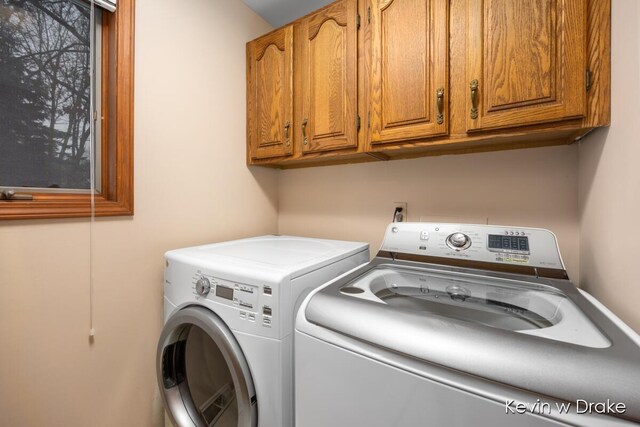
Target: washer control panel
{"type": "Point", "coordinates": [533, 247]}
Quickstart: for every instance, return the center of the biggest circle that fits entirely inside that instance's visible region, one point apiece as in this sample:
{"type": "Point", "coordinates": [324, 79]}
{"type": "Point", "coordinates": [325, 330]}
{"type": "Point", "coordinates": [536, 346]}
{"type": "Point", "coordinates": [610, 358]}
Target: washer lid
{"type": "Point", "coordinates": [511, 305]}
{"type": "Point", "coordinates": [584, 354]}
{"type": "Point", "coordinates": [287, 254]}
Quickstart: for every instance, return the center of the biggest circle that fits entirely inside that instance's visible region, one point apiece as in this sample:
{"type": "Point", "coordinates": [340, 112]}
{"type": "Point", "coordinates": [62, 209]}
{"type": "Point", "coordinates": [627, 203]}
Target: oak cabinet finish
{"type": "Point", "coordinates": [270, 95]}
{"type": "Point", "coordinates": [409, 73]}
{"type": "Point", "coordinates": [329, 78]}
{"type": "Point", "coordinates": [384, 79]}
{"type": "Point", "coordinates": [526, 62]}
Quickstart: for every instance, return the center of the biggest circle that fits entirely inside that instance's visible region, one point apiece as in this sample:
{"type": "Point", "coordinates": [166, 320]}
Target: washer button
{"type": "Point", "coordinates": [424, 235]}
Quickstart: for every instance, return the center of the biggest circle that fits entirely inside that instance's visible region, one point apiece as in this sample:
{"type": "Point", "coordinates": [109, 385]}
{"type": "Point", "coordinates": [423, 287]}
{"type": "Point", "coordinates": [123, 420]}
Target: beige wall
{"type": "Point", "coordinates": [536, 187]}
{"type": "Point", "coordinates": [189, 164]}
{"type": "Point", "coordinates": [610, 179]}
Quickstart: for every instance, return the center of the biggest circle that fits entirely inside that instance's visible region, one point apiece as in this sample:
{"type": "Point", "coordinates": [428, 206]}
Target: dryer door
{"type": "Point", "coordinates": [203, 374]}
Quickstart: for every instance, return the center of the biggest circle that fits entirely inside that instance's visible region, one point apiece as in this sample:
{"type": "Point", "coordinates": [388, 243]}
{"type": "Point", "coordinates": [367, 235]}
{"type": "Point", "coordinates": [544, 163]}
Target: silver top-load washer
{"type": "Point", "coordinates": [488, 302]}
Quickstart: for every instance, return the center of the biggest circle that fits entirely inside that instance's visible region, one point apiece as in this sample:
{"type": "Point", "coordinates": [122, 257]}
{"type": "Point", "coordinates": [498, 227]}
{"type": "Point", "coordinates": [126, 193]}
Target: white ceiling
{"type": "Point", "coordinates": [280, 12]}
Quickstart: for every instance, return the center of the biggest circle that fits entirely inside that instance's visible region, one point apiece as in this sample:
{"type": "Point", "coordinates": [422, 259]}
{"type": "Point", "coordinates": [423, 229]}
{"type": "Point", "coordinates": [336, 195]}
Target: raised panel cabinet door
{"type": "Point", "coordinates": [270, 95]}
{"type": "Point", "coordinates": [526, 62]}
{"type": "Point", "coordinates": [409, 76]}
{"type": "Point", "coordinates": [330, 78]}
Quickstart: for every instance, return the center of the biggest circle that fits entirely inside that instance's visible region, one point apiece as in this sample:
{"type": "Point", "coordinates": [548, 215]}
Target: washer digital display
{"type": "Point", "coordinates": [513, 243]}
{"type": "Point", "coordinates": [224, 292]}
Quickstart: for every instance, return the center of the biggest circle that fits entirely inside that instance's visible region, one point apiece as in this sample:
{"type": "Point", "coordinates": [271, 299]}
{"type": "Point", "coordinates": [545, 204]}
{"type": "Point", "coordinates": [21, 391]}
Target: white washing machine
{"type": "Point", "coordinates": [225, 355]}
{"type": "Point", "coordinates": [463, 325]}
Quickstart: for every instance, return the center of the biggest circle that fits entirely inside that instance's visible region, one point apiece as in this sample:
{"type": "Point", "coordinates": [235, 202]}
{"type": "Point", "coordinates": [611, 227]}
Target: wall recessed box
{"type": "Point", "coordinates": [384, 79]}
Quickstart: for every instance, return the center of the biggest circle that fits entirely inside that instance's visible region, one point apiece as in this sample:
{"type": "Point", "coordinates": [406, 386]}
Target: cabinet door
{"type": "Point", "coordinates": [270, 94]}
{"type": "Point", "coordinates": [526, 62]}
{"type": "Point", "coordinates": [409, 79]}
{"type": "Point", "coordinates": [329, 70]}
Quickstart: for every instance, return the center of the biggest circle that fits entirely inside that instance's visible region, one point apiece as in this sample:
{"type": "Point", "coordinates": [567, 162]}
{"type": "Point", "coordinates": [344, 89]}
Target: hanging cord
{"type": "Point", "coordinates": [92, 159]}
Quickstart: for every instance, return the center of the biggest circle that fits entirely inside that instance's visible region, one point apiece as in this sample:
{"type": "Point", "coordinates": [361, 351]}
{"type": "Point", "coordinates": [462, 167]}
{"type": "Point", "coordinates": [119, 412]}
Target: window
{"type": "Point", "coordinates": [45, 109]}
{"type": "Point", "coordinates": [45, 139]}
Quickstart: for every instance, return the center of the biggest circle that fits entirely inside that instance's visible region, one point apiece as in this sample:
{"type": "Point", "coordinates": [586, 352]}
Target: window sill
{"type": "Point", "coordinates": [45, 206]}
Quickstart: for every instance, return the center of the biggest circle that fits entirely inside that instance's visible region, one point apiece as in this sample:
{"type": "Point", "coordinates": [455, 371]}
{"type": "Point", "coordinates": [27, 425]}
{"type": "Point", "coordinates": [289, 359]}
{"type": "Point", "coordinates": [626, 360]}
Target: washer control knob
{"type": "Point", "coordinates": [458, 241]}
{"type": "Point", "coordinates": [203, 286]}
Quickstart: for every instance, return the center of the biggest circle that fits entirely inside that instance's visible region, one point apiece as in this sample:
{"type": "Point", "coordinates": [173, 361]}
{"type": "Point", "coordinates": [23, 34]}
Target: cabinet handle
{"type": "Point", "coordinates": [304, 131]}
{"type": "Point", "coordinates": [440, 102]}
{"type": "Point", "coordinates": [286, 133]}
{"type": "Point", "coordinates": [474, 99]}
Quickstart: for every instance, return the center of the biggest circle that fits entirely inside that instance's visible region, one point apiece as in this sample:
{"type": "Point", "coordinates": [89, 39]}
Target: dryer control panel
{"type": "Point", "coordinates": [226, 292]}
{"type": "Point", "coordinates": [533, 247]}
{"type": "Point", "coordinates": [252, 302]}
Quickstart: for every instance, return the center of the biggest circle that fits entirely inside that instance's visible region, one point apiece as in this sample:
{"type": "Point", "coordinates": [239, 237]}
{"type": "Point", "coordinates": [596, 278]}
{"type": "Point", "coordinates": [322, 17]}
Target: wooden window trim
{"type": "Point", "coordinates": [117, 134]}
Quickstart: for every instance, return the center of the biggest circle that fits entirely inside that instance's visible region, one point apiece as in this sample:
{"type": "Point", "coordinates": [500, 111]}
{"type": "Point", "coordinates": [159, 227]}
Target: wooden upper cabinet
{"type": "Point", "coordinates": [366, 80]}
{"type": "Point", "coordinates": [329, 78]}
{"type": "Point", "coordinates": [409, 69]}
{"type": "Point", "coordinates": [270, 95]}
{"type": "Point", "coordinates": [526, 62]}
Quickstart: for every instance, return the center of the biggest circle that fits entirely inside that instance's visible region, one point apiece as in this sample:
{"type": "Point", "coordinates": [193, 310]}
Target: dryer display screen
{"type": "Point", "coordinates": [514, 243]}
{"type": "Point", "coordinates": [224, 292]}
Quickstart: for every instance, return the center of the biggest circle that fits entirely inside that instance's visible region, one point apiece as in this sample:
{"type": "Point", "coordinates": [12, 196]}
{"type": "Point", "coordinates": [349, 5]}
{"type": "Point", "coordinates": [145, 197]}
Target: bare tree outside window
{"type": "Point", "coordinates": [45, 94]}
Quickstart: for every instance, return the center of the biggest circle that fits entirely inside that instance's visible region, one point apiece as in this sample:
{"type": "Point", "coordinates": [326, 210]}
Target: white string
{"type": "Point", "coordinates": [92, 168]}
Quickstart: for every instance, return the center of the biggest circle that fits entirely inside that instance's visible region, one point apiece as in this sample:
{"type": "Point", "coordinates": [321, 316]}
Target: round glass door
{"type": "Point", "coordinates": [203, 374]}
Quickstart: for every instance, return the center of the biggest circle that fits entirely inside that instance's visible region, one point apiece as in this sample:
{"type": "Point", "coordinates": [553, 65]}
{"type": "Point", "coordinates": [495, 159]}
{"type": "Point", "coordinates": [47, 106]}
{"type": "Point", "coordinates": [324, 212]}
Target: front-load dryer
{"type": "Point", "coordinates": [225, 355]}
{"type": "Point", "coordinates": [457, 325]}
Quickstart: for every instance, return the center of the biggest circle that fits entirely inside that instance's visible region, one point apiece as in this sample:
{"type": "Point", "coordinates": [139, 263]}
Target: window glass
{"type": "Point", "coordinates": [45, 94]}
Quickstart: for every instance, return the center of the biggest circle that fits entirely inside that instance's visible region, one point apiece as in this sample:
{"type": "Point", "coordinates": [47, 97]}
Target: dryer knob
{"type": "Point", "coordinates": [203, 286]}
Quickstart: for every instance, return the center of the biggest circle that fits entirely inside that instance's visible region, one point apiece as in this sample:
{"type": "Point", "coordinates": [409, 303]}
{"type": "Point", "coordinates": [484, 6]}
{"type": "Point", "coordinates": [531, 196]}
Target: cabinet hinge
{"type": "Point", "coordinates": [358, 123]}
{"type": "Point", "coordinates": [369, 120]}
{"type": "Point", "coordinates": [358, 21]}
{"type": "Point", "coordinates": [588, 80]}
{"type": "Point", "coordinates": [369, 15]}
